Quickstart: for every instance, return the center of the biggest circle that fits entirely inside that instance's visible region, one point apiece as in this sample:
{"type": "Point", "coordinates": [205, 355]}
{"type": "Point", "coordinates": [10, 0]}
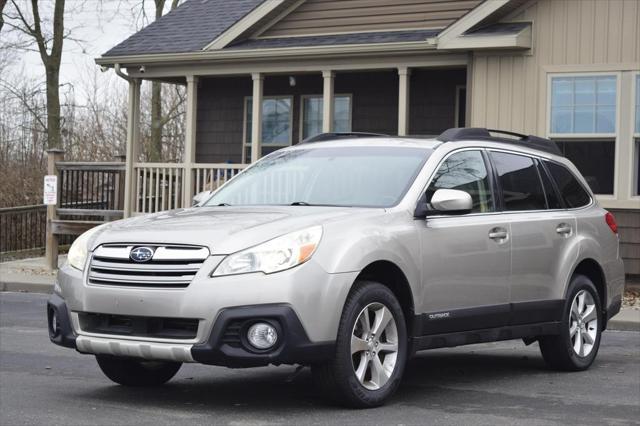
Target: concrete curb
{"type": "Point", "coordinates": [27, 287]}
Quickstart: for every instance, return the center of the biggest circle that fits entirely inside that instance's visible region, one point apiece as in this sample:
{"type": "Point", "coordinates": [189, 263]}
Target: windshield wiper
{"type": "Point", "coordinates": [300, 203]}
{"type": "Point", "coordinates": [223, 205]}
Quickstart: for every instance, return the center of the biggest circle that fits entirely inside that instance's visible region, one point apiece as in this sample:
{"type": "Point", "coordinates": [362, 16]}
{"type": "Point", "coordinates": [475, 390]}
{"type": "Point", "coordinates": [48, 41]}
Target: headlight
{"type": "Point", "coordinates": [275, 255]}
{"type": "Point", "coordinates": [78, 252]}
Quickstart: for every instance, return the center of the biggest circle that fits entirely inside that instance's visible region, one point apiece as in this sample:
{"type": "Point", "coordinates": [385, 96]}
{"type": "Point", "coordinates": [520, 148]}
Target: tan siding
{"type": "Point", "coordinates": [342, 16]}
{"type": "Point", "coordinates": [566, 32]}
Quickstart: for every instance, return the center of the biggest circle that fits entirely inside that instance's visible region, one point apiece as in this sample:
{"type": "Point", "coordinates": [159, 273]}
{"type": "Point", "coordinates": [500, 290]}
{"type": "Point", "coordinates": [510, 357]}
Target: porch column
{"type": "Point", "coordinates": [189, 157]}
{"type": "Point", "coordinates": [328, 78]}
{"type": "Point", "coordinates": [404, 76]}
{"type": "Point", "coordinates": [132, 148]}
{"type": "Point", "coordinates": [256, 116]}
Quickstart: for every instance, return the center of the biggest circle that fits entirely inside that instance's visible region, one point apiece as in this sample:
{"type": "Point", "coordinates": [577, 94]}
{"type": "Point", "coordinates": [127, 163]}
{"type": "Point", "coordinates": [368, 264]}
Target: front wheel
{"type": "Point", "coordinates": [371, 349]}
{"type": "Point", "coordinates": [576, 346]}
{"type": "Point", "coordinates": [135, 372]}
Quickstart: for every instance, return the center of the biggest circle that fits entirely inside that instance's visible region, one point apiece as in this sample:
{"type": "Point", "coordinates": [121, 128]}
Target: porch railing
{"type": "Point", "coordinates": [160, 186]}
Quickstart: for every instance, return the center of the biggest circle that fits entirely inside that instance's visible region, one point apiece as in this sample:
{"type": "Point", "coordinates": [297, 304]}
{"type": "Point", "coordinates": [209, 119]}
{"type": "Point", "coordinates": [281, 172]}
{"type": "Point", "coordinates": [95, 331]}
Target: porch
{"type": "Point", "coordinates": [226, 130]}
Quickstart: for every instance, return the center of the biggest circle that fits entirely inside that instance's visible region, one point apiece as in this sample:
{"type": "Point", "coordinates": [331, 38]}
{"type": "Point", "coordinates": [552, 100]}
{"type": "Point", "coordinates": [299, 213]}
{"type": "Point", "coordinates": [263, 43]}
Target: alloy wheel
{"type": "Point", "coordinates": [374, 346]}
{"type": "Point", "coordinates": [583, 323]}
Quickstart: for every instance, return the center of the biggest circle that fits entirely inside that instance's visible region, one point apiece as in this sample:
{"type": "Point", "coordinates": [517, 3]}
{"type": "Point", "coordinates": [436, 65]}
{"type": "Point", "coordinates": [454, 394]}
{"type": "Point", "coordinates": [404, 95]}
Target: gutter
{"type": "Point", "coordinates": [234, 55]}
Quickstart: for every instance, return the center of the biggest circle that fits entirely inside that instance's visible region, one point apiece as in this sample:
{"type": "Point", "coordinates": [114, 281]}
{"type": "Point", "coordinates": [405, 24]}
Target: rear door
{"type": "Point", "coordinates": [541, 232]}
{"type": "Point", "coordinates": [466, 258]}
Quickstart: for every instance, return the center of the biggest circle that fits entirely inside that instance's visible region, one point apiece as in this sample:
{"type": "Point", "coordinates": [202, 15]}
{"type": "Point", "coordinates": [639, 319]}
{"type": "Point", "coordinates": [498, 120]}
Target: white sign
{"type": "Point", "coordinates": [50, 189]}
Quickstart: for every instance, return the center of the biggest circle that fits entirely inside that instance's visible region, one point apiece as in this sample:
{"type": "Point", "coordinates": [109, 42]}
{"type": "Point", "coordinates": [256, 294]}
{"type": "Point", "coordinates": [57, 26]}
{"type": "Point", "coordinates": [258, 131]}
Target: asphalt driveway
{"type": "Point", "coordinates": [498, 383]}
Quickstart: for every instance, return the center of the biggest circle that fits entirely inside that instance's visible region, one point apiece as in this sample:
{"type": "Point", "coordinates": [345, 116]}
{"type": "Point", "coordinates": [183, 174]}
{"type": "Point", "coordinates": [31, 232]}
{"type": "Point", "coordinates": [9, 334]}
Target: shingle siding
{"type": "Point", "coordinates": [374, 108]}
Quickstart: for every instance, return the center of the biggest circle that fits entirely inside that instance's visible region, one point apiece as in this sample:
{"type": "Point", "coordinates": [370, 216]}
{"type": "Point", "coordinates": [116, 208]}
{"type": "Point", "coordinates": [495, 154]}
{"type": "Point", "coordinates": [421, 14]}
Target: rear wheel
{"type": "Point", "coordinates": [576, 347]}
{"type": "Point", "coordinates": [135, 372]}
{"type": "Point", "coordinates": [371, 349]}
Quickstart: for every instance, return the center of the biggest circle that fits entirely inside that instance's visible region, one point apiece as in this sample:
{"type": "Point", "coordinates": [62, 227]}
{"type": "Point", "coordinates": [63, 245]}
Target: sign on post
{"type": "Point", "coordinates": [50, 189]}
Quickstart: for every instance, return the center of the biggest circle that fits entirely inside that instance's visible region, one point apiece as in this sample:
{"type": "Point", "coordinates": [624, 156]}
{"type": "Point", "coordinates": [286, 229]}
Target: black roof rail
{"type": "Point", "coordinates": [322, 137]}
{"type": "Point", "coordinates": [478, 133]}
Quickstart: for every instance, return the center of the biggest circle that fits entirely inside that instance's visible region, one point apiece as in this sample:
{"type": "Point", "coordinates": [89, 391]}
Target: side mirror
{"type": "Point", "coordinates": [444, 201]}
{"type": "Point", "coordinates": [201, 197]}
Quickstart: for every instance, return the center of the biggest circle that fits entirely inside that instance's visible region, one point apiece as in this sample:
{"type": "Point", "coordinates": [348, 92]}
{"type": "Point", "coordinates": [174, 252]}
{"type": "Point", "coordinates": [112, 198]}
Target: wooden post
{"type": "Point", "coordinates": [133, 148]}
{"type": "Point", "coordinates": [328, 78]}
{"type": "Point", "coordinates": [189, 157]}
{"type": "Point", "coordinates": [51, 248]}
{"type": "Point", "coordinates": [404, 75]}
{"type": "Point", "coordinates": [256, 117]}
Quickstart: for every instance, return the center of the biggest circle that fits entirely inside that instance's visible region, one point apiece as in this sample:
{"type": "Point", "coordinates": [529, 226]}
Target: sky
{"type": "Point", "coordinates": [98, 25]}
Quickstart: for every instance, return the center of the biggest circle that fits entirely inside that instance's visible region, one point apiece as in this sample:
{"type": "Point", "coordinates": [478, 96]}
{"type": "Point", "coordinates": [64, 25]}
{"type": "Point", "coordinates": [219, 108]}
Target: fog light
{"type": "Point", "coordinates": [262, 335]}
{"type": "Point", "coordinates": [54, 323]}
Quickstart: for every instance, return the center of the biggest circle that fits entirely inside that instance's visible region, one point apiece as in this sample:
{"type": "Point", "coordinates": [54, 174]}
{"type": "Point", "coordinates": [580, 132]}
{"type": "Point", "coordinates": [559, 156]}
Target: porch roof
{"type": "Point", "coordinates": [337, 39]}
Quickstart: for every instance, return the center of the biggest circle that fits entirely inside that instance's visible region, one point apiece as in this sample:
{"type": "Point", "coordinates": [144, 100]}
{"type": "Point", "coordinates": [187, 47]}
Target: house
{"type": "Point", "coordinates": [263, 74]}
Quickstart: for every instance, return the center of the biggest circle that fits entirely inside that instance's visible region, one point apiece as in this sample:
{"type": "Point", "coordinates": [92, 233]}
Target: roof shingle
{"type": "Point", "coordinates": [188, 28]}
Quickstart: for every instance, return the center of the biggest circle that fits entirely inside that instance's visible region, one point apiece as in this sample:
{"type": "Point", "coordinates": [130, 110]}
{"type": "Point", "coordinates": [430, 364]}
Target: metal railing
{"type": "Point", "coordinates": [22, 228]}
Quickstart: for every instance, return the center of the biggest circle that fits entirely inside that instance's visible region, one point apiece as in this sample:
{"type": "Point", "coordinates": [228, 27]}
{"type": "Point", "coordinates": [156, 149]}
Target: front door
{"type": "Point", "coordinates": [466, 258]}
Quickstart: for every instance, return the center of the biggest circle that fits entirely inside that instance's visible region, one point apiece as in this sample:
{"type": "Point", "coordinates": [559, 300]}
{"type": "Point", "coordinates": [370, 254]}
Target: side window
{"type": "Point", "coordinates": [570, 189]}
{"type": "Point", "coordinates": [465, 171]}
{"type": "Point", "coordinates": [520, 182]}
{"type": "Point", "coordinates": [552, 196]}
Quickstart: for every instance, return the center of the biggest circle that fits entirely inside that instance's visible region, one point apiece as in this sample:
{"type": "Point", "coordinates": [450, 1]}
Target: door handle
{"type": "Point", "coordinates": [564, 229]}
{"type": "Point", "coordinates": [498, 234]}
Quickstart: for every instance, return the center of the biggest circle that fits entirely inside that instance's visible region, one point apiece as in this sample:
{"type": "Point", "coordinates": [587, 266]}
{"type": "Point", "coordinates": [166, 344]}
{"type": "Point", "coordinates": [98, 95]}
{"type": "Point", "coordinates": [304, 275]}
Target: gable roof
{"type": "Point", "coordinates": [188, 28]}
{"type": "Point", "coordinates": [212, 27]}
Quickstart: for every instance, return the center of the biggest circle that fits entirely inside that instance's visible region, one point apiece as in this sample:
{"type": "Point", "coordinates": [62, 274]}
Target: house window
{"type": "Point", "coordinates": [276, 120]}
{"type": "Point", "coordinates": [312, 115]}
{"type": "Point", "coordinates": [582, 120]}
{"type": "Point", "coordinates": [583, 105]}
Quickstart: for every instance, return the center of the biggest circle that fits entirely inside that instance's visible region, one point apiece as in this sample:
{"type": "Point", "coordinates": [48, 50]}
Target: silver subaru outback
{"type": "Point", "coordinates": [349, 253]}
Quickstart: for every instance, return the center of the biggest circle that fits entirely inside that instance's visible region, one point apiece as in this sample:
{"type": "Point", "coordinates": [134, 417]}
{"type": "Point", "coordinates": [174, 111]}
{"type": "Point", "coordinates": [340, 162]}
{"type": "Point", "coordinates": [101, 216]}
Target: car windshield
{"type": "Point", "coordinates": [326, 176]}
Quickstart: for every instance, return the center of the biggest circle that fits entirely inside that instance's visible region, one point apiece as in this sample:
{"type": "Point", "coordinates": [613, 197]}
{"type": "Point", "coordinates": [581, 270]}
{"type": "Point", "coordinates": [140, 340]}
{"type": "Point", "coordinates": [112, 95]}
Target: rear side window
{"type": "Point", "coordinates": [571, 190]}
{"type": "Point", "coordinates": [519, 181]}
{"type": "Point", "coordinates": [552, 196]}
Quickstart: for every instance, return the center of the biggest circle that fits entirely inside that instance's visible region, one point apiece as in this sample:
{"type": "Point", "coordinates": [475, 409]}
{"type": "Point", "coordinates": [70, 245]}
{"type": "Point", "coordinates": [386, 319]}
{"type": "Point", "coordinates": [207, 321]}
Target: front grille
{"type": "Point", "coordinates": [171, 266]}
{"type": "Point", "coordinates": [128, 325]}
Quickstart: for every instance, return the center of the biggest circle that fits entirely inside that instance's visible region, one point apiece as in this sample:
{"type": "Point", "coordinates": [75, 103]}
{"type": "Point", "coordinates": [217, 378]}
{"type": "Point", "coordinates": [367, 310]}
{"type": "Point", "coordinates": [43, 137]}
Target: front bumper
{"type": "Point", "coordinates": [305, 303]}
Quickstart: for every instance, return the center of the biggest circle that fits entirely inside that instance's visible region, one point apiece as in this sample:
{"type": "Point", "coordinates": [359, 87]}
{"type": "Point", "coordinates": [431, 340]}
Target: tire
{"type": "Point", "coordinates": [372, 361]}
{"type": "Point", "coordinates": [135, 372]}
{"type": "Point", "coordinates": [576, 347]}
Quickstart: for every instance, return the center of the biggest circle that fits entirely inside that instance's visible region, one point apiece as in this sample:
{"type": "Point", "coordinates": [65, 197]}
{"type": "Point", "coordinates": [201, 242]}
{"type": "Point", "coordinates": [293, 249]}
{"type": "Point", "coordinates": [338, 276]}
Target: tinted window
{"type": "Point", "coordinates": [552, 196]}
{"type": "Point", "coordinates": [520, 183]}
{"type": "Point", "coordinates": [465, 171]}
{"type": "Point", "coordinates": [571, 190]}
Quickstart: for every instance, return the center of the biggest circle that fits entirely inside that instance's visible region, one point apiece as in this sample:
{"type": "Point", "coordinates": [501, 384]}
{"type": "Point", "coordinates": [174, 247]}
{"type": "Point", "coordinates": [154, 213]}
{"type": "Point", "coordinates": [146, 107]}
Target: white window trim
{"type": "Point", "coordinates": [586, 137]}
{"type": "Point", "coordinates": [302, 99]}
{"type": "Point", "coordinates": [551, 76]}
{"type": "Point", "coordinates": [245, 136]}
{"type": "Point", "coordinates": [635, 139]}
{"type": "Point", "coordinates": [456, 114]}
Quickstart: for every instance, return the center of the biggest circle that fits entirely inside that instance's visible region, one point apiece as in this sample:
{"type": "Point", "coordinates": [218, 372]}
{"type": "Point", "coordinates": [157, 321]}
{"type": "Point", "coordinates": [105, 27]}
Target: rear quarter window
{"type": "Point", "coordinates": [570, 188]}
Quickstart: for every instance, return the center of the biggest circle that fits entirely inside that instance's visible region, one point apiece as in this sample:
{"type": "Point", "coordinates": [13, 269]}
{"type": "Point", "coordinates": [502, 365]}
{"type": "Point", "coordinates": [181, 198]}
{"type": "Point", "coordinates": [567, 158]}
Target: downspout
{"type": "Point", "coordinates": [120, 74]}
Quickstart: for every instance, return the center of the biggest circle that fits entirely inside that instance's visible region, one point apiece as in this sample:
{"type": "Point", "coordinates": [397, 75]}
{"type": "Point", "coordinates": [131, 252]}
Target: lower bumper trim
{"type": "Point", "coordinates": [134, 349]}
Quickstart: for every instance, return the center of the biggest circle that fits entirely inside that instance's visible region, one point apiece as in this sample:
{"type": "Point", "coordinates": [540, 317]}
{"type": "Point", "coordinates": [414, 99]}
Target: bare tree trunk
{"type": "Point", "coordinates": [53, 107]}
{"type": "Point", "coordinates": [155, 146]}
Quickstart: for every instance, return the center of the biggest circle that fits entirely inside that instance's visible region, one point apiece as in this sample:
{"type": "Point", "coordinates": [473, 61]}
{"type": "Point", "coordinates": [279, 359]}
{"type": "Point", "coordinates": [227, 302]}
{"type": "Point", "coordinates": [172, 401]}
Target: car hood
{"type": "Point", "coordinates": [223, 230]}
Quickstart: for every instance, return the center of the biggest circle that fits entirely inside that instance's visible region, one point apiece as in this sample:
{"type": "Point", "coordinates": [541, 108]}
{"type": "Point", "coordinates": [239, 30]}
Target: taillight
{"type": "Point", "coordinates": [611, 221]}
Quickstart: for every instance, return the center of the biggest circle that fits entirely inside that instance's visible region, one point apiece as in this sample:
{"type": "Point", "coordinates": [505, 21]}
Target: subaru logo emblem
{"type": "Point", "coordinates": [141, 254]}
